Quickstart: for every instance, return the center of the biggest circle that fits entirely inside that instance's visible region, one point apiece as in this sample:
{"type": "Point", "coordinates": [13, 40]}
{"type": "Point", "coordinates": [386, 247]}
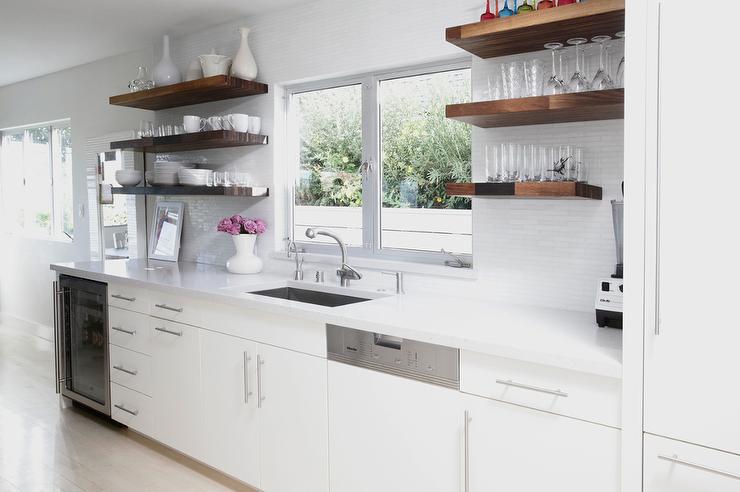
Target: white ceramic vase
{"type": "Point", "coordinates": [244, 65]}
{"type": "Point", "coordinates": [166, 73]}
{"type": "Point", "coordinates": [244, 261]}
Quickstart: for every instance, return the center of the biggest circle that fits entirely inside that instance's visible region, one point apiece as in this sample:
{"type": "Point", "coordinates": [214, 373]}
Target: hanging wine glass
{"type": "Point", "coordinates": [554, 85]}
{"type": "Point", "coordinates": [602, 80]}
{"type": "Point", "coordinates": [565, 2]}
{"type": "Point", "coordinates": [524, 8]}
{"type": "Point", "coordinates": [487, 15]}
{"type": "Point", "coordinates": [506, 11]}
{"type": "Point", "coordinates": [545, 4]}
{"type": "Point", "coordinates": [620, 70]}
{"type": "Point", "coordinates": [578, 82]}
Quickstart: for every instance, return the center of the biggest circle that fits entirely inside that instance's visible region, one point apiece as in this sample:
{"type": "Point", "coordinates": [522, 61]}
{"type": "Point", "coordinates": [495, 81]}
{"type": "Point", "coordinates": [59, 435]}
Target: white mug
{"type": "Point", "coordinates": [239, 122]}
{"type": "Point", "coordinates": [215, 123]}
{"type": "Point", "coordinates": [226, 122]}
{"type": "Point", "coordinates": [255, 125]}
{"type": "Point", "coordinates": [193, 124]}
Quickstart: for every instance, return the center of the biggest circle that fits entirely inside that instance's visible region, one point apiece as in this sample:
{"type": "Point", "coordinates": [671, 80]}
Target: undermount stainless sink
{"type": "Point", "coordinates": [320, 298]}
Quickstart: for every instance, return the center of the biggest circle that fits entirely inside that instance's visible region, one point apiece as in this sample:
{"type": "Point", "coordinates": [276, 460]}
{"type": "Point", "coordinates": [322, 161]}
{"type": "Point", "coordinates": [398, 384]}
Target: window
{"type": "Point", "coordinates": [36, 180]}
{"type": "Point", "coordinates": [396, 209]}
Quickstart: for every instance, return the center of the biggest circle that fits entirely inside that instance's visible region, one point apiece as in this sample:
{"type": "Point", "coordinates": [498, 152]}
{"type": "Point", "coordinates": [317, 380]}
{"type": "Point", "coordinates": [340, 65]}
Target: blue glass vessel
{"type": "Point", "coordinates": [506, 11]}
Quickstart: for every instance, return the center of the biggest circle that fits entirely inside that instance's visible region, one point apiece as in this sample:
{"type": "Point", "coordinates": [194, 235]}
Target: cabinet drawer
{"type": "Point", "coordinates": [176, 308]}
{"type": "Point", "coordinates": [129, 330]}
{"type": "Point", "coordinates": [672, 466]}
{"type": "Point", "coordinates": [127, 297]}
{"type": "Point", "coordinates": [131, 408]}
{"type": "Point", "coordinates": [131, 369]}
{"type": "Point", "coordinates": [561, 391]}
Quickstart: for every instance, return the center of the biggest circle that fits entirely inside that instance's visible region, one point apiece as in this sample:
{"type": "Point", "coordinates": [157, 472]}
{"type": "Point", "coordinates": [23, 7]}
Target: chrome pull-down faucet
{"type": "Point", "coordinates": [345, 272]}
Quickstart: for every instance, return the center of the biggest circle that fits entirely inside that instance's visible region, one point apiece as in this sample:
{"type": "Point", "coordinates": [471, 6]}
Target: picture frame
{"type": "Point", "coordinates": [166, 232]}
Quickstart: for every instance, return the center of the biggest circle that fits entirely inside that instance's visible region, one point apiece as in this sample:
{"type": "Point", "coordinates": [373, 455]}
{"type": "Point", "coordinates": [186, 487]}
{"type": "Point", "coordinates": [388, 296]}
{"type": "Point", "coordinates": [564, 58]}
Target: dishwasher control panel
{"type": "Point", "coordinates": [435, 364]}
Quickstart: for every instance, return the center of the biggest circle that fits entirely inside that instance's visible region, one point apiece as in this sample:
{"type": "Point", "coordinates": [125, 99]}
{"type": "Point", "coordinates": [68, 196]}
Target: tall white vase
{"type": "Point", "coordinates": [244, 261]}
{"type": "Point", "coordinates": [244, 65]}
{"type": "Point", "coordinates": [165, 72]}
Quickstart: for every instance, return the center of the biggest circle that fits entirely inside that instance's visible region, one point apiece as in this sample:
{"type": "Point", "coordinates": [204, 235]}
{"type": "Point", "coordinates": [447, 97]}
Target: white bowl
{"type": "Point", "coordinates": [129, 177]}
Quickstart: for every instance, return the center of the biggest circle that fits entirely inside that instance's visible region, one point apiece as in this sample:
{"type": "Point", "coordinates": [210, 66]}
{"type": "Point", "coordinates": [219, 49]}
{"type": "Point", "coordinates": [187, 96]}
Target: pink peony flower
{"type": "Point", "coordinates": [237, 224]}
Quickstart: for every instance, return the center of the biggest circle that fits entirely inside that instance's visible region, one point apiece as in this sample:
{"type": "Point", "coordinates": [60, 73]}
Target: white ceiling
{"type": "Point", "coordinates": [44, 36]}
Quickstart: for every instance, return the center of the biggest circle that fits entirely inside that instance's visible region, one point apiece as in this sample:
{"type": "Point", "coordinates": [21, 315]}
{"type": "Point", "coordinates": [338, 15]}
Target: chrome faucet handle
{"type": "Point", "coordinates": [399, 281]}
{"type": "Point", "coordinates": [349, 273]}
{"type": "Point", "coordinates": [457, 261]}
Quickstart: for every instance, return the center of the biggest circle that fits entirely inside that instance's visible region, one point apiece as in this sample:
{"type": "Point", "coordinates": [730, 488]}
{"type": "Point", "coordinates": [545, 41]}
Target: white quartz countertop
{"type": "Point", "coordinates": [567, 339]}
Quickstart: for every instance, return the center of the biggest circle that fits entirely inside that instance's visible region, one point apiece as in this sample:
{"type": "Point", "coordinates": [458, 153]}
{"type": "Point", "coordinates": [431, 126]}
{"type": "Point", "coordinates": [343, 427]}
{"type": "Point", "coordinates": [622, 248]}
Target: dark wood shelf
{"type": "Point", "coordinates": [208, 89]}
{"type": "Point", "coordinates": [235, 191]}
{"type": "Point", "coordinates": [530, 32]}
{"type": "Point", "coordinates": [551, 190]}
{"type": "Point", "coordinates": [561, 108]}
{"type": "Point", "coordinates": [217, 139]}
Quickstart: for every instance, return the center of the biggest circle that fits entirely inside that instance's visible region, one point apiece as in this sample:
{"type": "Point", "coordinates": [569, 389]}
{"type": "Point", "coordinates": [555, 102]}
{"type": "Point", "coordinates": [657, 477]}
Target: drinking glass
{"type": "Point", "coordinates": [578, 82]}
{"type": "Point", "coordinates": [554, 85]}
{"type": "Point", "coordinates": [562, 166]}
{"type": "Point", "coordinates": [579, 166]}
{"type": "Point", "coordinates": [512, 74]}
{"type": "Point", "coordinates": [494, 169]}
{"type": "Point", "coordinates": [509, 153]}
{"type": "Point", "coordinates": [602, 80]}
{"type": "Point", "coordinates": [546, 162]}
{"type": "Point", "coordinates": [495, 86]}
{"type": "Point", "coordinates": [528, 169]}
{"type": "Point", "coordinates": [146, 129]}
{"type": "Point", "coordinates": [525, 7]}
{"type": "Point", "coordinates": [506, 11]}
{"type": "Point", "coordinates": [620, 69]}
{"type": "Point", "coordinates": [534, 77]}
{"type": "Point", "coordinates": [545, 4]}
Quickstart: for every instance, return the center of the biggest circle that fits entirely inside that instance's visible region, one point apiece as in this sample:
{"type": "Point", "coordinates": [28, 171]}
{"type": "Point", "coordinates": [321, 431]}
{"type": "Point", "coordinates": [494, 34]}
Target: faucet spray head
{"type": "Point", "coordinates": [310, 233]}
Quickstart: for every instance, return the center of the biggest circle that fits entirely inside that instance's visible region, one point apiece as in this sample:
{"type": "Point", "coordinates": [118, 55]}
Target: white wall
{"type": "Point", "coordinates": [80, 94]}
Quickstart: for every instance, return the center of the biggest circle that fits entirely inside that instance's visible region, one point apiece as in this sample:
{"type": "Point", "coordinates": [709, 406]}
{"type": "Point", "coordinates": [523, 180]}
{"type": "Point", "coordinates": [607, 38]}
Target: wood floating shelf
{"type": "Point", "coordinates": [540, 110]}
{"type": "Point", "coordinates": [217, 139]}
{"type": "Point", "coordinates": [208, 89]}
{"type": "Point", "coordinates": [547, 190]}
{"type": "Point", "coordinates": [234, 191]}
{"type": "Point", "coordinates": [530, 32]}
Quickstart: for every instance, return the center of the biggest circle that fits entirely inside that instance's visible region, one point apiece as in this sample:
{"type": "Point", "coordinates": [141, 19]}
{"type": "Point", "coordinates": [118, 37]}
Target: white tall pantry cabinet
{"type": "Point", "coordinates": [692, 340]}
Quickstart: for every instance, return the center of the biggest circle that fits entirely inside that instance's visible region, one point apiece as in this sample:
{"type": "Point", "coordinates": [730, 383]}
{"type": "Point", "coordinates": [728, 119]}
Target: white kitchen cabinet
{"type": "Point", "coordinates": [293, 418]}
{"type": "Point", "coordinates": [516, 449]}
{"type": "Point", "coordinates": [231, 428]}
{"type": "Point", "coordinates": [176, 397]}
{"type": "Point", "coordinates": [691, 361]}
{"type": "Point", "coordinates": [392, 434]}
{"type": "Point", "coordinates": [673, 466]}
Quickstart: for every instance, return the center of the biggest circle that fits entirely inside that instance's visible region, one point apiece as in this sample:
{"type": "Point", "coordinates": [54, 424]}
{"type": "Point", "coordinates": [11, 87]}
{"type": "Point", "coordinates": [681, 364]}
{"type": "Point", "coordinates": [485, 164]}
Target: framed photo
{"type": "Point", "coordinates": [164, 241]}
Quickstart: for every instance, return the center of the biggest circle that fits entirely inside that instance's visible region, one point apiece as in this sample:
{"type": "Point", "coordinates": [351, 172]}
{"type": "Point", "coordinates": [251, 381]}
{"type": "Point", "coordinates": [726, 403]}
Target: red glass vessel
{"type": "Point", "coordinates": [545, 4]}
{"type": "Point", "coordinates": [566, 2]}
{"type": "Point", "coordinates": [487, 15]}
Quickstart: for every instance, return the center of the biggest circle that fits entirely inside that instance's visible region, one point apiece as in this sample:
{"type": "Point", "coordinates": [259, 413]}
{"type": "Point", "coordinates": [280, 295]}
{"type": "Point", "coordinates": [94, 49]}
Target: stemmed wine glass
{"type": "Point", "coordinates": [578, 82]}
{"type": "Point", "coordinates": [487, 15]}
{"type": "Point", "coordinates": [602, 80]}
{"type": "Point", "coordinates": [545, 4]}
{"type": "Point", "coordinates": [620, 69]}
{"type": "Point", "coordinates": [525, 7]}
{"type": "Point", "coordinates": [565, 2]}
{"type": "Point", "coordinates": [554, 85]}
{"type": "Point", "coordinates": [506, 11]}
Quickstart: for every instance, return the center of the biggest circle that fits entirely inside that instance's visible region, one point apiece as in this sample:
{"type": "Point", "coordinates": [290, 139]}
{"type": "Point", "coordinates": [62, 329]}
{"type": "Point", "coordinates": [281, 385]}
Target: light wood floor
{"type": "Point", "coordinates": [44, 447]}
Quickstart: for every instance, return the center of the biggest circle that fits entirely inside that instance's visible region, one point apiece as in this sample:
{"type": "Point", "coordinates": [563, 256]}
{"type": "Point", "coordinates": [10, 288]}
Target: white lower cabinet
{"type": "Point", "coordinates": [516, 449]}
{"type": "Point", "coordinates": [176, 397]}
{"type": "Point", "coordinates": [293, 420]}
{"type": "Point", "coordinates": [392, 434]}
{"type": "Point", "coordinates": [231, 429]}
{"type": "Point", "coordinates": [674, 466]}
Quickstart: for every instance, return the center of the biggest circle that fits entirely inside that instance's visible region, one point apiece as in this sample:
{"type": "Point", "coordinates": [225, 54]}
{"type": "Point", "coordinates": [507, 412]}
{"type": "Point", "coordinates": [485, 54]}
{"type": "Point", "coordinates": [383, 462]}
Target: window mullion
{"type": "Point", "coordinates": [370, 185]}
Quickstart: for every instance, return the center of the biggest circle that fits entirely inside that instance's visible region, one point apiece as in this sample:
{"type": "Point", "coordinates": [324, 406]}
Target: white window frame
{"type": "Point", "coordinates": [371, 197]}
{"type": "Point", "coordinates": [57, 216]}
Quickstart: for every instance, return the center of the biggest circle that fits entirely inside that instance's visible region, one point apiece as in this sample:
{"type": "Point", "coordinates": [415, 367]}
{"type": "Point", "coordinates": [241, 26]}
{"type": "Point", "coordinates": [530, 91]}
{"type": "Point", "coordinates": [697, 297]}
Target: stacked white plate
{"type": "Point", "coordinates": [195, 177]}
{"type": "Point", "coordinates": [166, 173]}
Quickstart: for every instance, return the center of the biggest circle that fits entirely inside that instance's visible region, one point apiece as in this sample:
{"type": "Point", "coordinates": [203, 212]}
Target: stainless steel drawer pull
{"type": "Point", "coordinates": [123, 369]}
{"type": "Point", "coordinates": [123, 298]}
{"type": "Point", "coordinates": [124, 409]}
{"type": "Point", "coordinates": [168, 308]}
{"type": "Point", "coordinates": [677, 460]}
{"type": "Point", "coordinates": [466, 471]}
{"type": "Point", "coordinates": [165, 330]}
{"type": "Point", "coordinates": [127, 332]}
{"type": "Point", "coordinates": [509, 382]}
{"type": "Point", "coordinates": [247, 389]}
{"type": "Point", "coordinates": [260, 396]}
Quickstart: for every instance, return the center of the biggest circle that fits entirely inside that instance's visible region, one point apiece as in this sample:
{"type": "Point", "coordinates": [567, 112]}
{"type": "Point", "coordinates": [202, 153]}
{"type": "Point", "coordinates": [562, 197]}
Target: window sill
{"type": "Point", "coordinates": [385, 265]}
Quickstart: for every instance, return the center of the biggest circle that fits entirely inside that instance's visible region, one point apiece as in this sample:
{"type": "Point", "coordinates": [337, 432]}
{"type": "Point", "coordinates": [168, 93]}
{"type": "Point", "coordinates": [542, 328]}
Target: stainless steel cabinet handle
{"type": "Point", "coordinates": [677, 460]}
{"type": "Point", "coordinates": [658, 159]}
{"type": "Point", "coordinates": [509, 382]}
{"type": "Point", "coordinates": [165, 330]}
{"type": "Point", "coordinates": [127, 371]}
{"type": "Point", "coordinates": [55, 298]}
{"type": "Point", "coordinates": [168, 308]}
{"type": "Point", "coordinates": [122, 408]}
{"type": "Point", "coordinates": [260, 397]}
{"type": "Point", "coordinates": [123, 298]}
{"type": "Point", "coordinates": [466, 471]}
{"type": "Point", "coordinates": [127, 332]}
{"type": "Point", "coordinates": [247, 391]}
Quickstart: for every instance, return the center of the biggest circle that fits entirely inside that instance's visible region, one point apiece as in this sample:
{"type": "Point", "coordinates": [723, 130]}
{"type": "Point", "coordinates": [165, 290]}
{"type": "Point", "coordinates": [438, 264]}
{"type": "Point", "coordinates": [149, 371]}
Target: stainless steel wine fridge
{"type": "Point", "coordinates": [81, 341]}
